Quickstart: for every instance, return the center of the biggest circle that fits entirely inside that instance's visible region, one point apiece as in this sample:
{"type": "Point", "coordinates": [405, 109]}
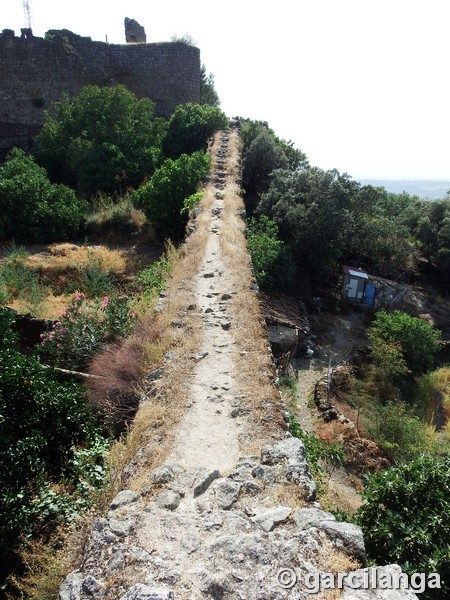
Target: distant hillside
{"type": "Point", "coordinates": [429, 190]}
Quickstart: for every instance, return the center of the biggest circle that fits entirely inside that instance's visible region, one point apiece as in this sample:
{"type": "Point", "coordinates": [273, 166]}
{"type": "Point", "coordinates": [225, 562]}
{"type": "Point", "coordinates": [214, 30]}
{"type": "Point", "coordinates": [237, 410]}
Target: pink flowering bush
{"type": "Point", "coordinates": [83, 328]}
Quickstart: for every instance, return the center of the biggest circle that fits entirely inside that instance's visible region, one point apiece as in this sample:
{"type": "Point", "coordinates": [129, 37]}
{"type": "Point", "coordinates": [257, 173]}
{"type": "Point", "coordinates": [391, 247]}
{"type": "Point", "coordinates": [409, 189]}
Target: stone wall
{"type": "Point", "coordinates": [34, 72]}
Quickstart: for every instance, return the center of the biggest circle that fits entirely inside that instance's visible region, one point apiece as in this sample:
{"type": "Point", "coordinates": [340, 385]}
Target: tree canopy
{"type": "Point", "coordinates": [417, 340]}
{"type": "Point", "coordinates": [102, 139]}
{"type": "Point", "coordinates": [432, 229]}
{"type": "Point", "coordinates": [162, 198]}
{"type": "Point", "coordinates": [272, 260]}
{"type": "Point", "coordinates": [190, 127]}
{"type": "Point", "coordinates": [310, 207]}
{"type": "Point", "coordinates": [31, 208]}
{"type": "Point", "coordinates": [263, 152]}
{"type": "Point", "coordinates": [208, 93]}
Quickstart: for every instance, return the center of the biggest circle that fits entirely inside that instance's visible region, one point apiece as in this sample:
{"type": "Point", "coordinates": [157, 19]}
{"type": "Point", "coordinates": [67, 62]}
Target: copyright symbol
{"type": "Point", "coordinates": [286, 578]}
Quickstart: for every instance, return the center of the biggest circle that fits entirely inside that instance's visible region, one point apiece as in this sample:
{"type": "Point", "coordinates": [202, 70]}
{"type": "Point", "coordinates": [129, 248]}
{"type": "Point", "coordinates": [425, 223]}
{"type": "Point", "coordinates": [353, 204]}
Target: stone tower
{"type": "Point", "coordinates": [134, 33]}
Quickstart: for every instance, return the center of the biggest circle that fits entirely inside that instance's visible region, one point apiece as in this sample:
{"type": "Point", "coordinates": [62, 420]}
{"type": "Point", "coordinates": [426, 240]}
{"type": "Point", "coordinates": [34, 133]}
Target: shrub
{"type": "Point", "coordinates": [190, 202]}
{"type": "Point", "coordinates": [95, 280]}
{"type": "Point", "coordinates": [190, 127]}
{"type": "Point", "coordinates": [119, 371]}
{"type": "Point", "coordinates": [400, 433]}
{"type": "Point", "coordinates": [316, 451]}
{"type": "Point", "coordinates": [18, 280]}
{"type": "Point", "coordinates": [272, 260]}
{"type": "Point", "coordinates": [419, 341]}
{"type": "Point", "coordinates": [113, 219]}
{"type": "Point", "coordinates": [103, 139]}
{"type": "Point", "coordinates": [83, 328]}
{"type": "Point", "coordinates": [265, 249]}
{"type": "Point", "coordinates": [153, 278]}
{"type": "Point", "coordinates": [118, 318]}
{"type": "Point", "coordinates": [406, 517]}
{"type": "Point", "coordinates": [433, 391]}
{"type": "Point", "coordinates": [31, 208]}
{"type": "Point", "coordinates": [388, 358]}
{"type": "Point", "coordinates": [163, 196]}
{"type": "Point", "coordinates": [43, 424]}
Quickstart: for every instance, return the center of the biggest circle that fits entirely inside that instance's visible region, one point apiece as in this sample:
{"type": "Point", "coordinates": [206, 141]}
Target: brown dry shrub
{"type": "Point", "coordinates": [343, 378]}
{"type": "Point", "coordinates": [118, 372]}
{"type": "Point", "coordinates": [47, 562]}
{"type": "Point", "coordinates": [334, 432]}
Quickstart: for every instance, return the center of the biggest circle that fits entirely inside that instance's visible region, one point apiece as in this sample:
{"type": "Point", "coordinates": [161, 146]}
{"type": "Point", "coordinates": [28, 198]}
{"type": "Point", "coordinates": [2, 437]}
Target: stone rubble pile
{"type": "Point", "coordinates": [212, 536]}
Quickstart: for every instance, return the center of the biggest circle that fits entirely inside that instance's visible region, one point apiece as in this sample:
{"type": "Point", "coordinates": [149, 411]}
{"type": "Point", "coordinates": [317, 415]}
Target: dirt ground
{"type": "Point", "coordinates": [336, 338]}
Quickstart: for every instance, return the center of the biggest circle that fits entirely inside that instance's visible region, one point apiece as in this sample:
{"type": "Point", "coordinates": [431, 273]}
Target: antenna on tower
{"type": "Point", "coordinates": [26, 4]}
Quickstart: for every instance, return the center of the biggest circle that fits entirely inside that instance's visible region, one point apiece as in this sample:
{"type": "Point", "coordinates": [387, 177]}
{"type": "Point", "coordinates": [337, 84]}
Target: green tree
{"type": "Point", "coordinates": [263, 156]}
{"type": "Point", "coordinates": [31, 208]}
{"type": "Point", "coordinates": [389, 365]}
{"type": "Point", "coordinates": [431, 227]}
{"type": "Point", "coordinates": [406, 518]}
{"type": "Point", "coordinates": [190, 127]}
{"type": "Point", "coordinates": [184, 39]}
{"type": "Point", "coordinates": [103, 139]}
{"type": "Point", "coordinates": [419, 341]}
{"type": "Point", "coordinates": [252, 129]}
{"type": "Point", "coordinates": [265, 248]}
{"type": "Point", "coordinates": [263, 152]}
{"type": "Point", "coordinates": [162, 198]}
{"type": "Point", "coordinates": [208, 93]}
{"type": "Point", "coordinates": [381, 243]}
{"type": "Point", "coordinates": [312, 210]}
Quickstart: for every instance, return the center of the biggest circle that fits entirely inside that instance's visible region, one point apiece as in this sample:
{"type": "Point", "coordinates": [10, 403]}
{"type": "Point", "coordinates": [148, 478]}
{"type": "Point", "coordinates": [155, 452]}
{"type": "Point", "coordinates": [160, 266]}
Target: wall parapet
{"type": "Point", "coordinates": [35, 72]}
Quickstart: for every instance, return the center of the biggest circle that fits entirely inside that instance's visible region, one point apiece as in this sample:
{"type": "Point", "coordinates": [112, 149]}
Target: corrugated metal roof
{"type": "Point", "coordinates": [356, 272]}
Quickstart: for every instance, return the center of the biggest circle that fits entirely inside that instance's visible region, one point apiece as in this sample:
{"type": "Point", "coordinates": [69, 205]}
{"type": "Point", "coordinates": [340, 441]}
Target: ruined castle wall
{"type": "Point", "coordinates": [34, 72]}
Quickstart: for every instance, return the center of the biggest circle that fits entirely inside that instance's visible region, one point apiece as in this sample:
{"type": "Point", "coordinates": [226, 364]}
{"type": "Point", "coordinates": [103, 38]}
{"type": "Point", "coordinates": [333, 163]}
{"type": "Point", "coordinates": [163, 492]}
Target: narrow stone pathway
{"type": "Point", "coordinates": [209, 522]}
{"type": "Point", "coordinates": [207, 436]}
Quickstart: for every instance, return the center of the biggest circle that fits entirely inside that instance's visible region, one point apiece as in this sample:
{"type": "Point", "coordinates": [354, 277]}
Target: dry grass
{"type": "Point", "coordinates": [116, 219]}
{"type": "Point", "coordinates": [289, 495]}
{"type": "Point", "coordinates": [340, 494]}
{"type": "Point", "coordinates": [120, 261]}
{"type": "Point", "coordinates": [332, 560]}
{"type": "Point", "coordinates": [48, 562]}
{"type": "Point", "coordinates": [150, 418]}
{"type": "Point", "coordinates": [332, 432]}
{"type": "Point", "coordinates": [60, 257]}
{"type": "Point", "coordinates": [63, 266]}
{"type": "Point", "coordinates": [50, 308]}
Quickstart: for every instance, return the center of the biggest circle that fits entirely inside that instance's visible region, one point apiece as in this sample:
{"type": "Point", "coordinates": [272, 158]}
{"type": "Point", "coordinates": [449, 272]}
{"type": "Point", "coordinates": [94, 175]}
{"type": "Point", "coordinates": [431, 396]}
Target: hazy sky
{"type": "Point", "coordinates": [359, 85]}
